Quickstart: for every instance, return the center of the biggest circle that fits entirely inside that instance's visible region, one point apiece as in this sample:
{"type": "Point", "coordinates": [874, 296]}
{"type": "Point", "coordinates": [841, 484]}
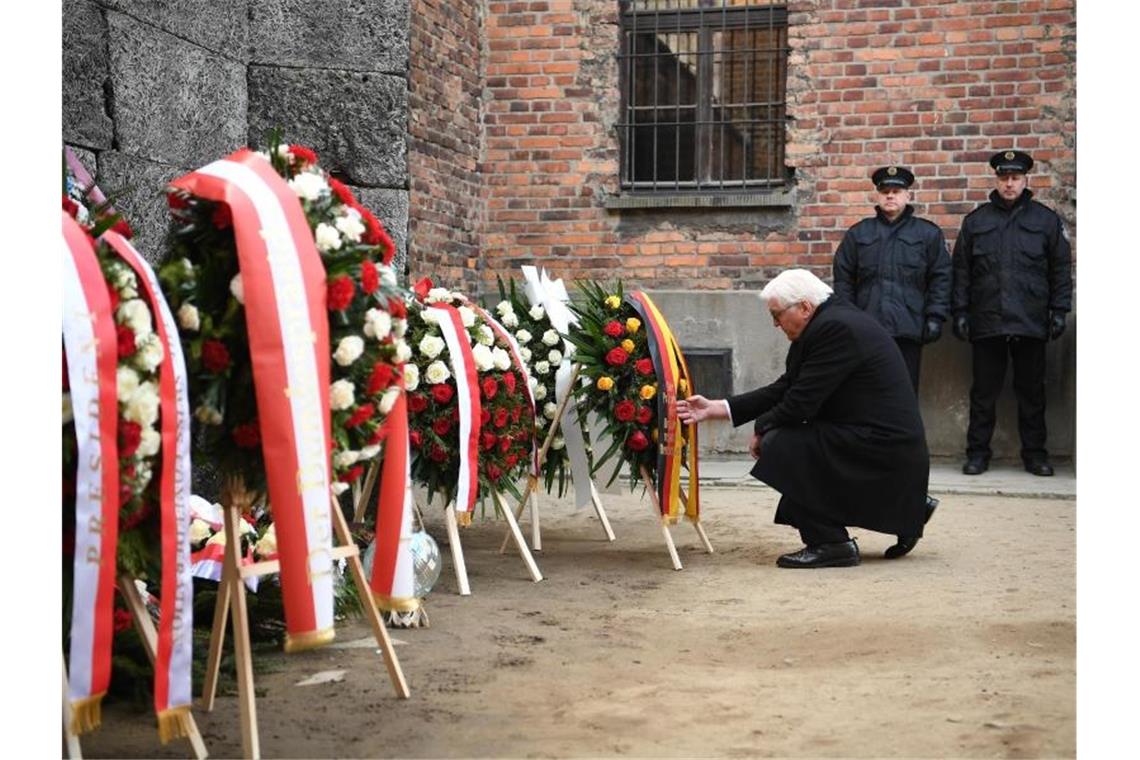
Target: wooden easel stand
{"type": "Point", "coordinates": [456, 545]}
{"type": "Point", "coordinates": [656, 506]}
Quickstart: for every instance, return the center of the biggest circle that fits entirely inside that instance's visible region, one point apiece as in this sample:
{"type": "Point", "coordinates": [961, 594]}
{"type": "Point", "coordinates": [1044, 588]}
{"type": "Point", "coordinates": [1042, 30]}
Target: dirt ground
{"type": "Point", "coordinates": [965, 648]}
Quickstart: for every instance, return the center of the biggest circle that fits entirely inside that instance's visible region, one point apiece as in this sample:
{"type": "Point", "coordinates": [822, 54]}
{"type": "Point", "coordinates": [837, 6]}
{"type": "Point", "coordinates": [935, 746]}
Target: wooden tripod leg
{"type": "Point", "coordinates": [656, 506]}
{"type": "Point", "coordinates": [524, 550]}
{"type": "Point", "coordinates": [74, 751]}
{"type": "Point", "coordinates": [145, 626]}
{"type": "Point", "coordinates": [535, 531]}
{"type": "Point", "coordinates": [700, 528]}
{"type": "Point", "coordinates": [250, 741]}
{"type": "Point", "coordinates": [217, 639]}
{"type": "Point", "coordinates": [395, 673]}
{"type": "Point", "coordinates": [360, 496]}
{"type": "Point", "coordinates": [531, 486]}
{"type": "Point", "coordinates": [456, 551]}
{"type": "Point", "coordinates": [601, 511]}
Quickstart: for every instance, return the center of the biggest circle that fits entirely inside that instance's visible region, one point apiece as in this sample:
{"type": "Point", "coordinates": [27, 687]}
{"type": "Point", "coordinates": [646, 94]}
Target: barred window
{"type": "Point", "coordinates": [703, 95]}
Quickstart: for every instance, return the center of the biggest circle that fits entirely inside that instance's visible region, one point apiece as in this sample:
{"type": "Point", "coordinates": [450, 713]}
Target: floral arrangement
{"type": "Point", "coordinates": [506, 424]}
{"type": "Point", "coordinates": [621, 382]}
{"type": "Point", "coordinates": [366, 312]}
{"type": "Point", "coordinates": [543, 349]}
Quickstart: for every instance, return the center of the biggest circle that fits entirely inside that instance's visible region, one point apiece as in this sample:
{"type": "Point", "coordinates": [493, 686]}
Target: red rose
{"type": "Point", "coordinates": [501, 416]}
{"type": "Point", "coordinates": [614, 329]}
{"type": "Point", "coordinates": [509, 381]}
{"type": "Point", "coordinates": [637, 441]}
{"type": "Point", "coordinates": [215, 356]}
{"type": "Point", "coordinates": [362, 414]}
{"type": "Point", "coordinates": [438, 454]}
{"type": "Point", "coordinates": [505, 444]}
{"type": "Point", "coordinates": [247, 436]}
{"type": "Point", "coordinates": [303, 155]}
{"type": "Point", "coordinates": [442, 393]}
{"type": "Point", "coordinates": [123, 228]}
{"type": "Point", "coordinates": [512, 460]}
{"type": "Point", "coordinates": [422, 287]}
{"type": "Point", "coordinates": [341, 191]}
{"type": "Point", "coordinates": [397, 309]}
{"type": "Point", "coordinates": [222, 217]}
{"type": "Point", "coordinates": [516, 413]}
{"type": "Point", "coordinates": [415, 438]}
{"type": "Point", "coordinates": [130, 435]}
{"type": "Point", "coordinates": [643, 366]}
{"type": "Point", "coordinates": [494, 472]}
{"type": "Point", "coordinates": [375, 234]}
{"type": "Point", "coordinates": [70, 206]}
{"type": "Point", "coordinates": [369, 276]}
{"type": "Point", "coordinates": [126, 341]}
{"type": "Point", "coordinates": [484, 418]}
{"type": "Point", "coordinates": [352, 474]}
{"type": "Point", "coordinates": [455, 413]}
{"type": "Point", "coordinates": [121, 620]}
{"type": "Point", "coordinates": [382, 376]}
{"type": "Point", "coordinates": [625, 410]}
{"type": "Point", "coordinates": [417, 402]}
{"type": "Point", "coordinates": [441, 426]}
{"type": "Point", "coordinates": [341, 290]}
{"type": "Point", "coordinates": [125, 493]}
{"type": "Point", "coordinates": [489, 387]}
{"type": "Point", "coordinates": [616, 357]}
{"type": "Point", "coordinates": [488, 441]}
{"type": "Point", "coordinates": [136, 519]}
{"type": "Point", "coordinates": [644, 414]}
{"type": "Point", "coordinates": [377, 435]}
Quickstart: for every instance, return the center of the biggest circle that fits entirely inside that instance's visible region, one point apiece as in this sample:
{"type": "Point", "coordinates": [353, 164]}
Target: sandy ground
{"type": "Point", "coordinates": [966, 648]}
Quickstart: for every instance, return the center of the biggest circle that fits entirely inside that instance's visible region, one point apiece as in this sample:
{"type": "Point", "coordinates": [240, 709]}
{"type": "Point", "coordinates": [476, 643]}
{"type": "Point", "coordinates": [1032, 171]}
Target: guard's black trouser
{"type": "Point", "coordinates": [990, 358]}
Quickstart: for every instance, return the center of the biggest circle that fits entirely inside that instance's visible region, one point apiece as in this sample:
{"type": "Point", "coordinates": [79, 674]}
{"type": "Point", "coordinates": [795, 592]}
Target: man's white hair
{"type": "Point", "coordinates": [794, 285]}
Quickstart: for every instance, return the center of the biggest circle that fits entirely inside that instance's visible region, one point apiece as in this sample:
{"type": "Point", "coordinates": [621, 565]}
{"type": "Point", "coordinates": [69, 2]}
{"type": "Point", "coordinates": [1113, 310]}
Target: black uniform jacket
{"type": "Point", "coordinates": [841, 429]}
{"type": "Point", "coordinates": [1012, 265]}
{"type": "Point", "coordinates": [898, 272]}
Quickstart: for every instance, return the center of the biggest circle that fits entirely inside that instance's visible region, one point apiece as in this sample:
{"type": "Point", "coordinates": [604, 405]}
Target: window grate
{"type": "Point", "coordinates": [703, 95]}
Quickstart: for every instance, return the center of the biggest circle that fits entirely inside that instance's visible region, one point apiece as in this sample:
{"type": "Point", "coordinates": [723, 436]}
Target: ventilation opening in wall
{"type": "Point", "coordinates": [711, 369]}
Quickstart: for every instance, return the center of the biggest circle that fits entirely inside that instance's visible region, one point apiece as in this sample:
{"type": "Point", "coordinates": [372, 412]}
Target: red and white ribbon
{"type": "Point", "coordinates": [92, 358]}
{"type": "Point", "coordinates": [285, 314]}
{"type": "Point", "coordinates": [175, 630]}
{"type": "Point", "coordinates": [520, 365]}
{"type": "Point", "coordinates": [393, 576]}
{"type": "Point", "coordinates": [467, 397]}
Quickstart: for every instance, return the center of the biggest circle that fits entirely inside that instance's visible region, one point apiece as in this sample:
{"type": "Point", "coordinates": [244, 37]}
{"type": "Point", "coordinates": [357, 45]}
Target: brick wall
{"type": "Point", "coordinates": [938, 85]}
{"type": "Point", "coordinates": [445, 140]}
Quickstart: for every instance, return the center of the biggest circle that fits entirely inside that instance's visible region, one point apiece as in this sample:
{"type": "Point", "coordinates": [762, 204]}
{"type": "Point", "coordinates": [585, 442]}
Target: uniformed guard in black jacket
{"type": "Point", "coordinates": [895, 266]}
{"type": "Point", "coordinates": [838, 434]}
{"type": "Point", "coordinates": [1013, 286]}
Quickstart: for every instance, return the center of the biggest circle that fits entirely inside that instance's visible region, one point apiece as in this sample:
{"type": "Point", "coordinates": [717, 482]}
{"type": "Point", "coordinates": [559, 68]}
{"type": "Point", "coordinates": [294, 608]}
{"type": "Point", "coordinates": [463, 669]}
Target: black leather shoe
{"type": "Point", "coordinates": [975, 466]}
{"type": "Point", "coordinates": [1039, 467]}
{"type": "Point", "coordinates": [906, 543]}
{"type": "Point", "coordinates": [839, 554]}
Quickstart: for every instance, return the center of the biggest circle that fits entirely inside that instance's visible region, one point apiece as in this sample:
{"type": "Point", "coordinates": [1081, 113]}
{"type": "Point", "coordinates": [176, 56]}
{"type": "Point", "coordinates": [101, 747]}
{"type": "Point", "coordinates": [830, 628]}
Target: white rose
{"type": "Point", "coordinates": [551, 337]}
{"type": "Point", "coordinates": [267, 544]}
{"type": "Point", "coordinates": [539, 392]}
{"type": "Point", "coordinates": [377, 324]}
{"type": "Point", "coordinates": [150, 352]}
{"type": "Point", "coordinates": [135, 315]}
{"type": "Point", "coordinates": [387, 276]}
{"type": "Point", "coordinates": [523, 337]}
{"type": "Point", "coordinates": [327, 238]}
{"type": "Point", "coordinates": [485, 335]}
{"type": "Point", "coordinates": [388, 400]}
{"type": "Point", "coordinates": [430, 316]}
{"type": "Point", "coordinates": [68, 412]}
{"type": "Point", "coordinates": [218, 538]}
{"type": "Point", "coordinates": [399, 327]}
{"type": "Point", "coordinates": [126, 382]}
{"type": "Point", "coordinates": [542, 367]}
{"type": "Point", "coordinates": [343, 459]}
{"type": "Point", "coordinates": [484, 360]}
{"type": "Point", "coordinates": [149, 443]}
{"type": "Point", "coordinates": [142, 407]}
{"type": "Point", "coordinates": [558, 443]}
{"type": "Point", "coordinates": [237, 289]}
{"type": "Point", "coordinates": [467, 316]}
{"type": "Point", "coordinates": [438, 294]}
{"type": "Point", "coordinates": [188, 317]}
{"type": "Point", "coordinates": [309, 186]}
{"type": "Point", "coordinates": [555, 356]}
{"type": "Point", "coordinates": [403, 351]}
{"type": "Point", "coordinates": [200, 530]}
{"type": "Point", "coordinates": [504, 308]}
{"type": "Point", "coordinates": [143, 474]}
{"type": "Point", "coordinates": [510, 320]}
{"type": "Point", "coordinates": [540, 422]}
{"type": "Point", "coordinates": [537, 312]}
{"type": "Point", "coordinates": [283, 152]}
{"type": "Point", "coordinates": [350, 225]}
{"type": "Point", "coordinates": [431, 346]}
{"type": "Point", "coordinates": [525, 353]}
{"type": "Point", "coordinates": [124, 281]}
{"type": "Point", "coordinates": [549, 410]}
{"type": "Point", "coordinates": [532, 381]}
{"type": "Point", "coordinates": [436, 372]}
{"type": "Point", "coordinates": [338, 488]}
{"type": "Point", "coordinates": [342, 395]}
{"type": "Point", "coordinates": [368, 452]}
{"type": "Point", "coordinates": [348, 350]}
{"type": "Point", "coordinates": [502, 359]}
{"type": "Point", "coordinates": [411, 377]}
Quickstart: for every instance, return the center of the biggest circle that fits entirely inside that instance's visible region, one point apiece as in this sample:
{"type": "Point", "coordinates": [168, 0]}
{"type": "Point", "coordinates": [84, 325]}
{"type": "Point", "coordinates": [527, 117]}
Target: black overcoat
{"type": "Point", "coordinates": [841, 431]}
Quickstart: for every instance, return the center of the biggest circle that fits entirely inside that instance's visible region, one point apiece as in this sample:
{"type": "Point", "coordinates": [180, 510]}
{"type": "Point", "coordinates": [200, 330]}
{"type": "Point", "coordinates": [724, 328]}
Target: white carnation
{"type": "Point", "coordinates": [501, 358]}
{"type": "Point", "coordinates": [327, 238]}
{"type": "Point", "coordinates": [537, 312]}
{"type": "Point", "coordinates": [431, 346]}
{"type": "Point", "coordinates": [388, 400]}
{"type": "Point", "coordinates": [555, 356]}
{"type": "Point", "coordinates": [436, 372]}
{"type": "Point", "coordinates": [149, 443]}
{"type": "Point", "coordinates": [126, 382]}
{"type": "Point", "coordinates": [467, 316]}
{"type": "Point", "coordinates": [485, 335]}
{"type": "Point", "coordinates": [403, 351]}
{"type": "Point", "coordinates": [150, 352]}
{"type": "Point", "coordinates": [504, 308]}
{"type": "Point", "coordinates": [369, 452]}
{"type": "Point", "coordinates": [142, 406]}
{"type": "Point", "coordinates": [551, 337]}
{"type": "Point", "coordinates": [525, 353]}
{"type": "Point", "coordinates": [438, 294]}
{"type": "Point", "coordinates": [135, 315]}
{"type": "Point", "coordinates": [124, 281]}
{"type": "Point", "coordinates": [558, 443]}
{"type": "Point", "coordinates": [309, 186]}
{"type": "Point", "coordinates": [523, 337]}
{"type": "Point", "coordinates": [549, 410]}
{"type": "Point", "coordinates": [510, 320]}
{"type": "Point", "coordinates": [237, 289]}
{"type": "Point", "coordinates": [200, 530]}
{"type": "Point", "coordinates": [399, 327]}
{"type": "Point", "coordinates": [342, 394]}
{"type": "Point", "coordinates": [430, 316]}
{"type": "Point", "coordinates": [484, 359]}
{"type": "Point", "coordinates": [345, 459]}
{"type": "Point", "coordinates": [350, 225]}
{"type": "Point", "coordinates": [283, 152]}
{"type": "Point", "coordinates": [348, 350]}
{"type": "Point", "coordinates": [542, 367]}
{"type": "Point", "coordinates": [188, 317]}
{"type": "Point", "coordinates": [411, 377]}
{"type": "Point", "coordinates": [377, 324]}
{"type": "Point", "coordinates": [539, 392]}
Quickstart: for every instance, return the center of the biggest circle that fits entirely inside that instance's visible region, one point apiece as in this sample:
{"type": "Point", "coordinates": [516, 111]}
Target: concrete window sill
{"type": "Point", "coordinates": [769, 199]}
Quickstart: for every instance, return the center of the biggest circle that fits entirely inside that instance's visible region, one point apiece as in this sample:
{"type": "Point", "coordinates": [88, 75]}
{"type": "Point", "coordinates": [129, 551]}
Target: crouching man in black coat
{"type": "Point", "coordinates": [839, 433]}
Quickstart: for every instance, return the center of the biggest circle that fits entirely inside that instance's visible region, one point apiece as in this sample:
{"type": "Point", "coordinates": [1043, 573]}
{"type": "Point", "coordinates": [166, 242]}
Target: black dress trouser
{"type": "Point", "coordinates": [814, 528]}
{"type": "Point", "coordinates": [990, 358]}
{"type": "Point", "coordinates": [912, 354]}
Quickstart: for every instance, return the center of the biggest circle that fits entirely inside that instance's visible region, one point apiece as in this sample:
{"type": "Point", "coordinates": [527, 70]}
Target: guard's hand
{"type": "Point", "coordinates": [695, 409]}
{"type": "Point", "coordinates": [754, 446]}
{"type": "Point", "coordinates": [962, 327]}
{"type": "Point", "coordinates": [1056, 324]}
{"type": "Point", "coordinates": [932, 331]}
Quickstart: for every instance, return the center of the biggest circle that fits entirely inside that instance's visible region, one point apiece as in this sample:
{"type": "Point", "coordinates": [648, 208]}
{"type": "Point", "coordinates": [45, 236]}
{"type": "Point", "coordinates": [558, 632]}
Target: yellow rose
{"type": "Point", "coordinates": [648, 392]}
{"type": "Point", "coordinates": [683, 387]}
{"type": "Point", "coordinates": [632, 325]}
{"type": "Point", "coordinates": [627, 346]}
{"type": "Point", "coordinates": [605, 383]}
{"type": "Point", "coordinates": [613, 302]}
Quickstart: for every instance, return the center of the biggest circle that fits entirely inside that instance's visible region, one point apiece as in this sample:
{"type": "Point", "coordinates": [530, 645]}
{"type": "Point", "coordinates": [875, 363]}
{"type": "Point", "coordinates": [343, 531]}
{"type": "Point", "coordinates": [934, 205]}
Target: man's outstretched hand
{"type": "Point", "coordinates": [697, 409]}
